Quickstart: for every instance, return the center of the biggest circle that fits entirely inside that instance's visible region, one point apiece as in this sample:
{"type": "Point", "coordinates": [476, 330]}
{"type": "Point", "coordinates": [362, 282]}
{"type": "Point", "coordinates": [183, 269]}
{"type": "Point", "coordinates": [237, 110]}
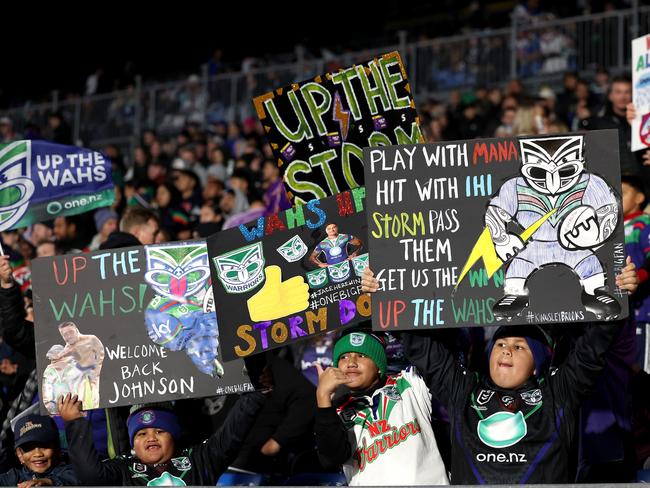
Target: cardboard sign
{"type": "Point", "coordinates": [490, 231]}
{"type": "Point", "coordinates": [41, 181]}
{"type": "Point", "coordinates": [318, 128]}
{"type": "Point", "coordinates": [127, 326]}
{"type": "Point", "coordinates": [641, 92]}
{"type": "Point", "coordinates": [290, 275]}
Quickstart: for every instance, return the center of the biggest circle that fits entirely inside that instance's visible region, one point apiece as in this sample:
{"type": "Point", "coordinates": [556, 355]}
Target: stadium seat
{"type": "Point", "coordinates": [240, 479]}
{"type": "Point", "coordinates": [316, 479]}
{"type": "Point", "coordinates": [643, 476]}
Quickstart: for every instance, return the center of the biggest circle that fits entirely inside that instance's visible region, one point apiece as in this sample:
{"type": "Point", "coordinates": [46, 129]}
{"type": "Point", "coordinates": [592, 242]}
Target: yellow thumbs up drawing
{"type": "Point", "coordinates": [277, 298]}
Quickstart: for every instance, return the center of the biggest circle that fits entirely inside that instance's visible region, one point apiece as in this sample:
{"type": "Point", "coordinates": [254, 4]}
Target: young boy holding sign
{"type": "Point", "coordinates": [154, 433]}
{"type": "Point", "coordinates": [516, 424]}
{"type": "Point", "coordinates": [380, 432]}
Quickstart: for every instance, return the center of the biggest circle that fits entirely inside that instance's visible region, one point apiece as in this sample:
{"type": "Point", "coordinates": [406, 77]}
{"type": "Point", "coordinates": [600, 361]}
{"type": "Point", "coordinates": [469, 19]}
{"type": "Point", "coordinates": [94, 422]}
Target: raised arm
{"type": "Point", "coordinates": [83, 456]}
{"type": "Point", "coordinates": [16, 331]}
{"type": "Point", "coordinates": [222, 447]}
{"type": "Point", "coordinates": [296, 394]}
{"type": "Point", "coordinates": [444, 376]}
{"type": "Point", "coordinates": [331, 435]}
{"type": "Point", "coordinates": [355, 241]}
{"type": "Point", "coordinates": [577, 376]}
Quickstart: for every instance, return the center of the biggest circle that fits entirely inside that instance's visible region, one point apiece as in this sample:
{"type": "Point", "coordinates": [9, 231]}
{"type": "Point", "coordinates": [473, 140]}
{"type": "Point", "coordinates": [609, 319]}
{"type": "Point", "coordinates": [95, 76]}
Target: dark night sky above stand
{"type": "Point", "coordinates": [55, 49]}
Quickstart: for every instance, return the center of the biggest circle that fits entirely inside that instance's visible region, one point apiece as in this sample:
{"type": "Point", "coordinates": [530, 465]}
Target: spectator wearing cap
{"type": "Point", "coordinates": [155, 459]}
{"type": "Point", "coordinates": [379, 430]}
{"type": "Point", "coordinates": [106, 220]}
{"type": "Point", "coordinates": [546, 98]}
{"type": "Point", "coordinates": [37, 448]}
{"type": "Point", "coordinates": [17, 328]}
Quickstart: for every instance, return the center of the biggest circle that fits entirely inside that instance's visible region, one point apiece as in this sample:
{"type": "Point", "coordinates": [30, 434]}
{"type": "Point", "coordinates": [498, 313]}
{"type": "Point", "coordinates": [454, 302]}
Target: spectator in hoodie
{"type": "Point", "coordinates": [138, 227]}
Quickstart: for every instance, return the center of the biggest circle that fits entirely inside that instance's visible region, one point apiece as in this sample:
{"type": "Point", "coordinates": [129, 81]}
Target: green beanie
{"type": "Point", "coordinates": [363, 343]}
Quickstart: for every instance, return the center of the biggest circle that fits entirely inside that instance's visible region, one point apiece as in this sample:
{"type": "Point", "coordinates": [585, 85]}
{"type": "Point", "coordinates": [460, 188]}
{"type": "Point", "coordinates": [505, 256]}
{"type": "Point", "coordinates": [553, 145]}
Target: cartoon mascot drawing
{"type": "Point", "coordinates": [578, 211]}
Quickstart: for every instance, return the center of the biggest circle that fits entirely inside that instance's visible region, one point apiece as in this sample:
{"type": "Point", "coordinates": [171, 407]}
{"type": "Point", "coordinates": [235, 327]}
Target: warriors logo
{"type": "Point", "coordinates": [393, 393]}
{"type": "Point", "coordinates": [182, 314]}
{"type": "Point", "coordinates": [317, 278]}
{"type": "Point", "coordinates": [293, 250]}
{"type": "Point", "coordinates": [360, 263]}
{"type": "Point", "coordinates": [182, 463]}
{"type": "Point", "coordinates": [339, 272]}
{"type": "Point", "coordinates": [178, 271]}
{"type": "Point", "coordinates": [16, 187]}
{"type": "Point", "coordinates": [552, 165]}
{"type": "Point", "coordinates": [532, 397]}
{"type": "Point", "coordinates": [241, 270]}
{"type": "Point", "coordinates": [356, 339]}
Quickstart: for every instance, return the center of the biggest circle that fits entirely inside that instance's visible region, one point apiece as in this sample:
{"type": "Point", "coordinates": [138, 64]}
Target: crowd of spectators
{"type": "Point", "coordinates": [196, 177]}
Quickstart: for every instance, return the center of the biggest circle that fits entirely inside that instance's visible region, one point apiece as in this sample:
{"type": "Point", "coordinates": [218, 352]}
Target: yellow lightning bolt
{"type": "Point", "coordinates": [341, 116]}
{"type": "Point", "coordinates": [484, 249]}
